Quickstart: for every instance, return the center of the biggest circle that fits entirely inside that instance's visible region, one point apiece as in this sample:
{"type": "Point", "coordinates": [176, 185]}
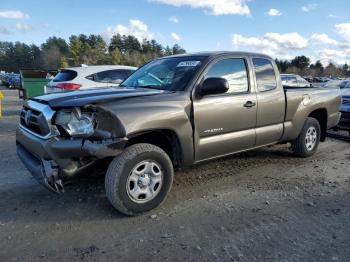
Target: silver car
{"type": "Point", "coordinates": [292, 80]}
{"type": "Point", "coordinates": [88, 77]}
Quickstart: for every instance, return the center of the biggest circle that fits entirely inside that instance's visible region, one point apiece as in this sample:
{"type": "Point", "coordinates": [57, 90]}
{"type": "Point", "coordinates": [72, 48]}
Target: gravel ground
{"type": "Point", "coordinates": [264, 205]}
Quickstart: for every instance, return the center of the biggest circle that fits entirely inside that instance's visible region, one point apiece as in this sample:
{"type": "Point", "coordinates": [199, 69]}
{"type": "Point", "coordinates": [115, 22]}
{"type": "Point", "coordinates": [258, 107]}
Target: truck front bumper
{"type": "Point", "coordinates": [51, 160]}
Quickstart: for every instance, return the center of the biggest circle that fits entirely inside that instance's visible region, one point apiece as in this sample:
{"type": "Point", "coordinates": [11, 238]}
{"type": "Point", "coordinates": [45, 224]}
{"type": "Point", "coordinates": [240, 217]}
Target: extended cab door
{"type": "Point", "coordinates": [225, 123]}
{"type": "Point", "coordinates": [271, 102]}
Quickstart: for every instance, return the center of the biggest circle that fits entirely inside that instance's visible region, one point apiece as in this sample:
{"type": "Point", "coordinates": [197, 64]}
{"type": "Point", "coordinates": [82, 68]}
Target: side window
{"type": "Point", "coordinates": [123, 74]}
{"type": "Point", "coordinates": [285, 79]}
{"type": "Point", "coordinates": [234, 70]}
{"type": "Point", "coordinates": [112, 76]}
{"type": "Point", "coordinates": [265, 74]}
{"type": "Point", "coordinates": [302, 81]}
{"type": "Point", "coordinates": [293, 81]}
{"type": "Point", "coordinates": [102, 77]}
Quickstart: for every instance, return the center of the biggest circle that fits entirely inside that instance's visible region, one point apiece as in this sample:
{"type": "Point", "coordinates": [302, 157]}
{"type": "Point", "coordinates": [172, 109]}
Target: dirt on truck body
{"type": "Point", "coordinates": [171, 113]}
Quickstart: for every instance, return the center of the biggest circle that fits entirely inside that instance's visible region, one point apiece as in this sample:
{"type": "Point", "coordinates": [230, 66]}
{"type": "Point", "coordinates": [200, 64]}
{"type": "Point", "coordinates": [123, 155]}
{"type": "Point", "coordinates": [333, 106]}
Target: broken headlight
{"type": "Point", "coordinates": [76, 123]}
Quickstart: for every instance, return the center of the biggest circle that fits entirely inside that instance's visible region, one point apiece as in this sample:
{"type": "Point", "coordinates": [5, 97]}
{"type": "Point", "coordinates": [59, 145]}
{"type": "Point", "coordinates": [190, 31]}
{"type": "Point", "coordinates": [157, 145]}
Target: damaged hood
{"type": "Point", "coordinates": [95, 96]}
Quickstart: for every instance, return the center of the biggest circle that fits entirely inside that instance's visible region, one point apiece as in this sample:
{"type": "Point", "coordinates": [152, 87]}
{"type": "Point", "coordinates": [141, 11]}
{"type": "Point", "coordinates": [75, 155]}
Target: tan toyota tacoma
{"type": "Point", "coordinates": [173, 112]}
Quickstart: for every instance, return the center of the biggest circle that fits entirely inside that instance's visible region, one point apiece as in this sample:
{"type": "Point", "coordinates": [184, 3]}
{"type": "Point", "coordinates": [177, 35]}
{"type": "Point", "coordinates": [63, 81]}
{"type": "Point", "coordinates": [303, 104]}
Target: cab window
{"type": "Point", "coordinates": [234, 70]}
{"type": "Point", "coordinates": [302, 81]}
{"type": "Point", "coordinates": [265, 74]}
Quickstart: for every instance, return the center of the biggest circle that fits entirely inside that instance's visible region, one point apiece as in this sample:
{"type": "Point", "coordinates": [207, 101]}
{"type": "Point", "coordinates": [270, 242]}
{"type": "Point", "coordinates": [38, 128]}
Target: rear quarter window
{"type": "Point", "coordinates": [65, 75]}
{"type": "Point", "coordinates": [265, 74]}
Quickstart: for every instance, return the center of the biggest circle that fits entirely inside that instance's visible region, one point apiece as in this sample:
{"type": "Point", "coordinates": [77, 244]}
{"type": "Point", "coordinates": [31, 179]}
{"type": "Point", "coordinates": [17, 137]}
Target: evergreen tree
{"type": "Point", "coordinates": [80, 49]}
{"type": "Point", "coordinates": [115, 56]}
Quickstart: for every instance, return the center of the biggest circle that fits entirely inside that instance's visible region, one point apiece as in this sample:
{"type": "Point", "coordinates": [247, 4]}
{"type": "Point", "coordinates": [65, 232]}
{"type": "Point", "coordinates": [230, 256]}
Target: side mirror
{"type": "Point", "coordinates": [214, 85]}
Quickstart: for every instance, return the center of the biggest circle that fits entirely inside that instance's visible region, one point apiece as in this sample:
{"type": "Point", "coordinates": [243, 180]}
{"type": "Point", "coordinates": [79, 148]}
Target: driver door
{"type": "Point", "coordinates": [225, 123]}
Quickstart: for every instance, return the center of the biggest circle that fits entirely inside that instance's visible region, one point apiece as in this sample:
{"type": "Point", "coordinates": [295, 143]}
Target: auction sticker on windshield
{"type": "Point", "coordinates": [188, 63]}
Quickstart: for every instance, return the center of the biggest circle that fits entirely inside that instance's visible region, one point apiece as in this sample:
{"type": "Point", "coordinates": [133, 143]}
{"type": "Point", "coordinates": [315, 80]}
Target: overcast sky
{"type": "Point", "coordinates": [319, 29]}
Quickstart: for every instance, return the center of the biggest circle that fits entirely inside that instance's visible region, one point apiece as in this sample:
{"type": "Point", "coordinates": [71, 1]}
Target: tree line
{"type": "Point", "coordinates": [80, 49]}
{"type": "Point", "coordinates": [302, 65]}
{"type": "Point", "coordinates": [56, 53]}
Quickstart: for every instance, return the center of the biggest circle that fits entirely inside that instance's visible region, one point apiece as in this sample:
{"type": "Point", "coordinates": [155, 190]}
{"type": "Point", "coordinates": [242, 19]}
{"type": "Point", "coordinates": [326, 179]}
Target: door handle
{"type": "Point", "coordinates": [249, 104]}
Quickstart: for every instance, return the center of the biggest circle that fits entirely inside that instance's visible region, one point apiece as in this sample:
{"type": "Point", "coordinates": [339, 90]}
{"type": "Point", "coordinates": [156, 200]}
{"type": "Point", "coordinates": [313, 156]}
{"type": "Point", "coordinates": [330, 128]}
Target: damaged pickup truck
{"type": "Point", "coordinates": [171, 113]}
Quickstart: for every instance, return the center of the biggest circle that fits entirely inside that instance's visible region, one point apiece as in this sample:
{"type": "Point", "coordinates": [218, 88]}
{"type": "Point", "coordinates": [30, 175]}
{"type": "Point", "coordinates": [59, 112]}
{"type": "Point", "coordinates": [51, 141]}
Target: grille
{"type": "Point", "coordinates": [34, 121]}
{"type": "Point", "coordinates": [36, 118]}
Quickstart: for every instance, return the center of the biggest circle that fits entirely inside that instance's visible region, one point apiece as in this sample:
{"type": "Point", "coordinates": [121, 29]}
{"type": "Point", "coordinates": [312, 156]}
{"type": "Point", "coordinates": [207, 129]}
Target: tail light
{"type": "Point", "coordinates": [68, 86]}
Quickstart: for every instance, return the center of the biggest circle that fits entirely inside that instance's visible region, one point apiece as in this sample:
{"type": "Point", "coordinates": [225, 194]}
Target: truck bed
{"type": "Point", "coordinates": [304, 102]}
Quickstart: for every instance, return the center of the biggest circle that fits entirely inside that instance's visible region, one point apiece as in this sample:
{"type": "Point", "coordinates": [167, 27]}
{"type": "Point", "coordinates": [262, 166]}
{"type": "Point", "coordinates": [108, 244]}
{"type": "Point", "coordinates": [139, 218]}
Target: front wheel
{"type": "Point", "coordinates": [306, 143]}
{"type": "Point", "coordinates": [139, 179]}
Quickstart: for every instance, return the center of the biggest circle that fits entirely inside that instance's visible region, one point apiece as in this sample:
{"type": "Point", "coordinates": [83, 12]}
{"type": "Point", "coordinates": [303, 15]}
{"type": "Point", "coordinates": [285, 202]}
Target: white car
{"type": "Point", "coordinates": [292, 80]}
{"type": "Point", "coordinates": [88, 77]}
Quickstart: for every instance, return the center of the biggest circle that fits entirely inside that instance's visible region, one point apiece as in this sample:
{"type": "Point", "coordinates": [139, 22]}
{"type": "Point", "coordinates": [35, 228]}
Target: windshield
{"type": "Point", "coordinates": [173, 73]}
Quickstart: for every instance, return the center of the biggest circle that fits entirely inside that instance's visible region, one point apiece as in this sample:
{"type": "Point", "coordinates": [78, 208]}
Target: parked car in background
{"type": "Point", "coordinates": [345, 107]}
{"type": "Point", "coordinates": [319, 79]}
{"type": "Point", "coordinates": [2, 77]}
{"type": "Point", "coordinates": [344, 88]}
{"type": "Point", "coordinates": [345, 85]}
{"type": "Point", "coordinates": [308, 78]}
{"type": "Point", "coordinates": [344, 123]}
{"type": "Point", "coordinates": [89, 77]}
{"type": "Point", "coordinates": [14, 81]}
{"type": "Point", "coordinates": [336, 78]}
{"type": "Point", "coordinates": [292, 80]}
{"type": "Point", "coordinates": [11, 80]}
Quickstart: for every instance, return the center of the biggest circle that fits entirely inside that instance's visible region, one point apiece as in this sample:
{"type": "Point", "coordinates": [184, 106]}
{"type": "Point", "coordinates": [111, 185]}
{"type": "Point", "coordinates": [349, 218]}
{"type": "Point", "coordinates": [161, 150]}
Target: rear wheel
{"type": "Point", "coordinates": [306, 143]}
{"type": "Point", "coordinates": [139, 179]}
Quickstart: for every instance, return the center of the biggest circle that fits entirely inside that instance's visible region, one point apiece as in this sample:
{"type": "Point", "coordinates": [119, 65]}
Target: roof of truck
{"type": "Point", "coordinates": [220, 53]}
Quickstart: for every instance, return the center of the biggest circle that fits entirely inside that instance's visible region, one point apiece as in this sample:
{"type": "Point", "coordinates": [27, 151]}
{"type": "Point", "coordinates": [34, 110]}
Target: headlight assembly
{"type": "Point", "coordinates": [76, 123]}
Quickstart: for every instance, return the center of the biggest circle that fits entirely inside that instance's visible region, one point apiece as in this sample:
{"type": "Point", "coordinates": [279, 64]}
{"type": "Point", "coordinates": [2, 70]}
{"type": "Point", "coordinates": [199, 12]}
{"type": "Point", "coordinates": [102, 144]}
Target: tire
{"type": "Point", "coordinates": [147, 163]}
{"type": "Point", "coordinates": [302, 146]}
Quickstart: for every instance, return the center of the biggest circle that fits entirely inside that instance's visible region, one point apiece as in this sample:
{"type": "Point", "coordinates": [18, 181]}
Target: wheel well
{"type": "Point", "coordinates": [165, 139]}
{"type": "Point", "coordinates": [321, 116]}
